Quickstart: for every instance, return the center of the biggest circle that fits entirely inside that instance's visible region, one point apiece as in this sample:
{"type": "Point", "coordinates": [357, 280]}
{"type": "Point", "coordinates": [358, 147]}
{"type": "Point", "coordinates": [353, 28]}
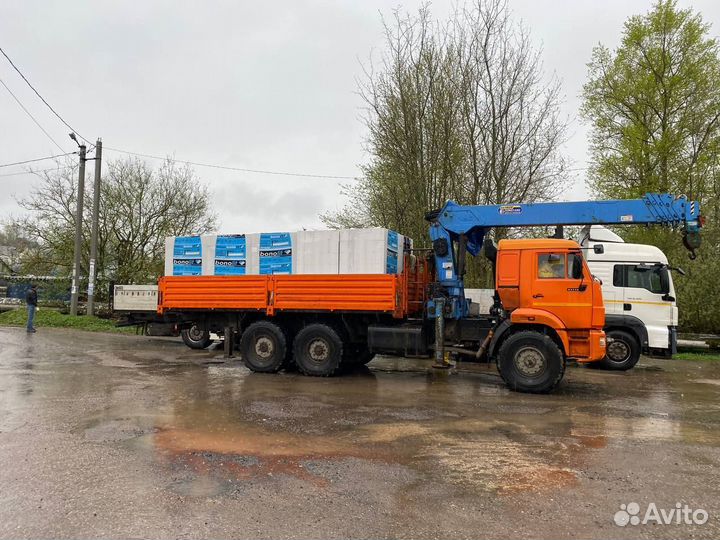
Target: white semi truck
{"type": "Point", "coordinates": [641, 314]}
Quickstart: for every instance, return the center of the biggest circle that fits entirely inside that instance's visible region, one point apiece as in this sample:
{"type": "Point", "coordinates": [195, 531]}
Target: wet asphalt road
{"type": "Point", "coordinates": [124, 436]}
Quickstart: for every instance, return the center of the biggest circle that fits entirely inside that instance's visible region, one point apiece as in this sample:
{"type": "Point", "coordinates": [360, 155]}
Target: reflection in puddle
{"type": "Point", "coordinates": [254, 453]}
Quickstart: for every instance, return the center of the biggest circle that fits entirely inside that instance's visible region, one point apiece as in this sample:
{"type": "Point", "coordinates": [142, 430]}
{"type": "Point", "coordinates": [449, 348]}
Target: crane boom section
{"type": "Point", "coordinates": [653, 208]}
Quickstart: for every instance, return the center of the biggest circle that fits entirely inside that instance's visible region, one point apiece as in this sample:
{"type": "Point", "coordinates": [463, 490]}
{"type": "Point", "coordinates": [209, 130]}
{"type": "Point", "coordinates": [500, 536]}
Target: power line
{"type": "Point", "coordinates": [37, 172]}
{"type": "Point", "coordinates": [37, 159]}
{"type": "Point", "coordinates": [31, 116]}
{"type": "Point", "coordinates": [239, 169]}
{"type": "Point", "coordinates": [42, 98]}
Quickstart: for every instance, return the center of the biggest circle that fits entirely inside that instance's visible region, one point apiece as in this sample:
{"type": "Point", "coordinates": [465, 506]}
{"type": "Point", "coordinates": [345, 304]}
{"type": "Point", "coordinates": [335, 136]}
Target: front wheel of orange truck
{"type": "Point", "coordinates": [530, 361]}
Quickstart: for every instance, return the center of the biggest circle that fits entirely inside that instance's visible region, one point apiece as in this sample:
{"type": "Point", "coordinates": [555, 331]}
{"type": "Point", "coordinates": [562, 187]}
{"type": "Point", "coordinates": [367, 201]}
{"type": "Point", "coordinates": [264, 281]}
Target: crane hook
{"type": "Point", "coordinates": [691, 240]}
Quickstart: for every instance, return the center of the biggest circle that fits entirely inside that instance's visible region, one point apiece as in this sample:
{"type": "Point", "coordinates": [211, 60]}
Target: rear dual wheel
{"type": "Point", "coordinates": [318, 350]}
{"type": "Point", "coordinates": [263, 347]}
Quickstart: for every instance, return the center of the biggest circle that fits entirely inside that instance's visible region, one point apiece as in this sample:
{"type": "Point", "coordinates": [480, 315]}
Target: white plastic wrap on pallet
{"type": "Point", "coordinates": [208, 254]}
{"type": "Point", "coordinates": [371, 251]}
{"type": "Point", "coordinates": [252, 245]}
{"type": "Point", "coordinates": [317, 252]}
{"type": "Point", "coordinates": [169, 243]}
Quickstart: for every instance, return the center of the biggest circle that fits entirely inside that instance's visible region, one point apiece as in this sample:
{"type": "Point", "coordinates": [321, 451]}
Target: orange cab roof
{"type": "Point", "coordinates": [538, 243]}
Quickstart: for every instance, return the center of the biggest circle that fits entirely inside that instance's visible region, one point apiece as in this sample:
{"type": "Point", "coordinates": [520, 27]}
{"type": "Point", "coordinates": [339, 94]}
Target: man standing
{"type": "Point", "coordinates": [31, 300]}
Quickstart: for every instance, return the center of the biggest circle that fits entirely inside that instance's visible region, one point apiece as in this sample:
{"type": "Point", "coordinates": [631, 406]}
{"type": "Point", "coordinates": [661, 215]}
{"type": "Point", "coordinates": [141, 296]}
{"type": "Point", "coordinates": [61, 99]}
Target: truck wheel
{"type": "Point", "coordinates": [531, 362]}
{"type": "Point", "coordinates": [263, 347]}
{"type": "Point", "coordinates": [623, 351]}
{"type": "Point", "coordinates": [196, 338]}
{"type": "Point", "coordinates": [318, 350]}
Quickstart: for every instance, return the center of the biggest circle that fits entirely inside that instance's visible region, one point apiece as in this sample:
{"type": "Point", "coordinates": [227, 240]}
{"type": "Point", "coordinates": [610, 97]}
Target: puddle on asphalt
{"type": "Point", "coordinates": [217, 428]}
{"type": "Point", "coordinates": [230, 427]}
{"type": "Point", "coordinates": [478, 455]}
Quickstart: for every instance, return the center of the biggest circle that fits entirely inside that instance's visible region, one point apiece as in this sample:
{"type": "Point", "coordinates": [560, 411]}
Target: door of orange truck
{"type": "Point", "coordinates": [562, 285]}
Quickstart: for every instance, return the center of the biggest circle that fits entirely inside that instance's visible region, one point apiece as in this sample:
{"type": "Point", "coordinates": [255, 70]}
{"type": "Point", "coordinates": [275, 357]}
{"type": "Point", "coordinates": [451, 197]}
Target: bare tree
{"type": "Point", "coordinates": [411, 116]}
{"type": "Point", "coordinates": [511, 128]}
{"type": "Point", "coordinates": [455, 111]}
{"type": "Point", "coordinates": [139, 207]}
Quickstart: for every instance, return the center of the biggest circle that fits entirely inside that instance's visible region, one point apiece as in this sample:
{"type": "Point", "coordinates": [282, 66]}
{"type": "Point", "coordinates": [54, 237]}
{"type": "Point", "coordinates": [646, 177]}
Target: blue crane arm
{"type": "Point", "coordinates": [663, 209]}
{"type": "Point", "coordinates": [467, 225]}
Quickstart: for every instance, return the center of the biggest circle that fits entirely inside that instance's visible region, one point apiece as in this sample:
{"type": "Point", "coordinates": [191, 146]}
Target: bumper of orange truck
{"type": "Point", "coordinates": [591, 350]}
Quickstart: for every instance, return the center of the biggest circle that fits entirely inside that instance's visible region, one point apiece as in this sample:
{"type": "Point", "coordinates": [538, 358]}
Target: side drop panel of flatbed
{"type": "Point", "coordinates": [377, 293]}
{"type": "Point", "coordinates": [178, 293]}
{"type": "Point", "coordinates": [273, 293]}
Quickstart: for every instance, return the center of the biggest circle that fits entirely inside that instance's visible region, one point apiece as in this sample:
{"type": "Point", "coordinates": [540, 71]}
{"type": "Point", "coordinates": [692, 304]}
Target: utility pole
{"type": "Point", "coordinates": [94, 235]}
{"type": "Point", "coordinates": [78, 233]}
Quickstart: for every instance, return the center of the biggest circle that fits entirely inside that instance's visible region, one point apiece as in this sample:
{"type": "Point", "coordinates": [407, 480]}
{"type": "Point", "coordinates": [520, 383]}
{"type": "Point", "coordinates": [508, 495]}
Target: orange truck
{"type": "Point", "coordinates": [548, 307]}
{"type": "Point", "coordinates": [322, 322]}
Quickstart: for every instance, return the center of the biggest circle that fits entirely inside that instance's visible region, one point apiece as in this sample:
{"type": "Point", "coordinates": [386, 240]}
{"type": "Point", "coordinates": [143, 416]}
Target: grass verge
{"type": "Point", "coordinates": [701, 355]}
{"type": "Point", "coordinates": [48, 318]}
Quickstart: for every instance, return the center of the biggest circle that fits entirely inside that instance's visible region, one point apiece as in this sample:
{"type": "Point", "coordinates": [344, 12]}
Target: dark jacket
{"type": "Point", "coordinates": [31, 297]}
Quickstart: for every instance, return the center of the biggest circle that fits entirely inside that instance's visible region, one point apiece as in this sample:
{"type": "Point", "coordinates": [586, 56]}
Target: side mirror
{"type": "Point", "coordinates": [677, 269]}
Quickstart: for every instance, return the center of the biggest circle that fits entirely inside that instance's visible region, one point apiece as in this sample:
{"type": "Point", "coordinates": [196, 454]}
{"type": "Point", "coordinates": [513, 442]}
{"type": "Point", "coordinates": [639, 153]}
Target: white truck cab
{"type": "Point", "coordinates": [641, 314]}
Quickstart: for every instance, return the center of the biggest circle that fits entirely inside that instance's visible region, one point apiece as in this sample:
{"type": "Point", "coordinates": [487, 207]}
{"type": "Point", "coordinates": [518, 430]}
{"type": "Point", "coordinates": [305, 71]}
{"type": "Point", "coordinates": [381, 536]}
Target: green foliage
{"type": "Point", "coordinates": [654, 108]}
{"type": "Point", "coordinates": [47, 318]}
{"type": "Point", "coordinates": [654, 105]}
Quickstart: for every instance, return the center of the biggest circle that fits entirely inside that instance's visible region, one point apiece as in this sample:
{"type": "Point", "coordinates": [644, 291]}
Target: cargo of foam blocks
{"type": "Point", "coordinates": [348, 251]}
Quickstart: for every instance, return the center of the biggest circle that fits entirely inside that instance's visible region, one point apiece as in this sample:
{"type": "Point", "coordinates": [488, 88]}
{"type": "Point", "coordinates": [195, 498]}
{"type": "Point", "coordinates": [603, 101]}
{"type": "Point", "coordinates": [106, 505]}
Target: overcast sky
{"type": "Point", "coordinates": [261, 85]}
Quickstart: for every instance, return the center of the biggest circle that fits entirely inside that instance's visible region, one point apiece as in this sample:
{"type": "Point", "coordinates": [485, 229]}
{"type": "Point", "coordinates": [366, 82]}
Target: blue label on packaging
{"type": "Point", "coordinates": [187, 256]}
{"type": "Point", "coordinates": [230, 255]}
{"type": "Point", "coordinates": [391, 265]}
{"type": "Point", "coordinates": [275, 253]}
{"type": "Point", "coordinates": [392, 241]}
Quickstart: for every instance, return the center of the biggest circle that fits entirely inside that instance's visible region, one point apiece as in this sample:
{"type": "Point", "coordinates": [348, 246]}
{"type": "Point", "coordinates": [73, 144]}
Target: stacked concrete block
{"type": "Point", "coordinates": [317, 252]}
{"type": "Point", "coordinates": [351, 251]}
{"type": "Point", "coordinates": [231, 255]}
{"type": "Point", "coordinates": [183, 256]}
{"type": "Point", "coordinates": [371, 251]}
